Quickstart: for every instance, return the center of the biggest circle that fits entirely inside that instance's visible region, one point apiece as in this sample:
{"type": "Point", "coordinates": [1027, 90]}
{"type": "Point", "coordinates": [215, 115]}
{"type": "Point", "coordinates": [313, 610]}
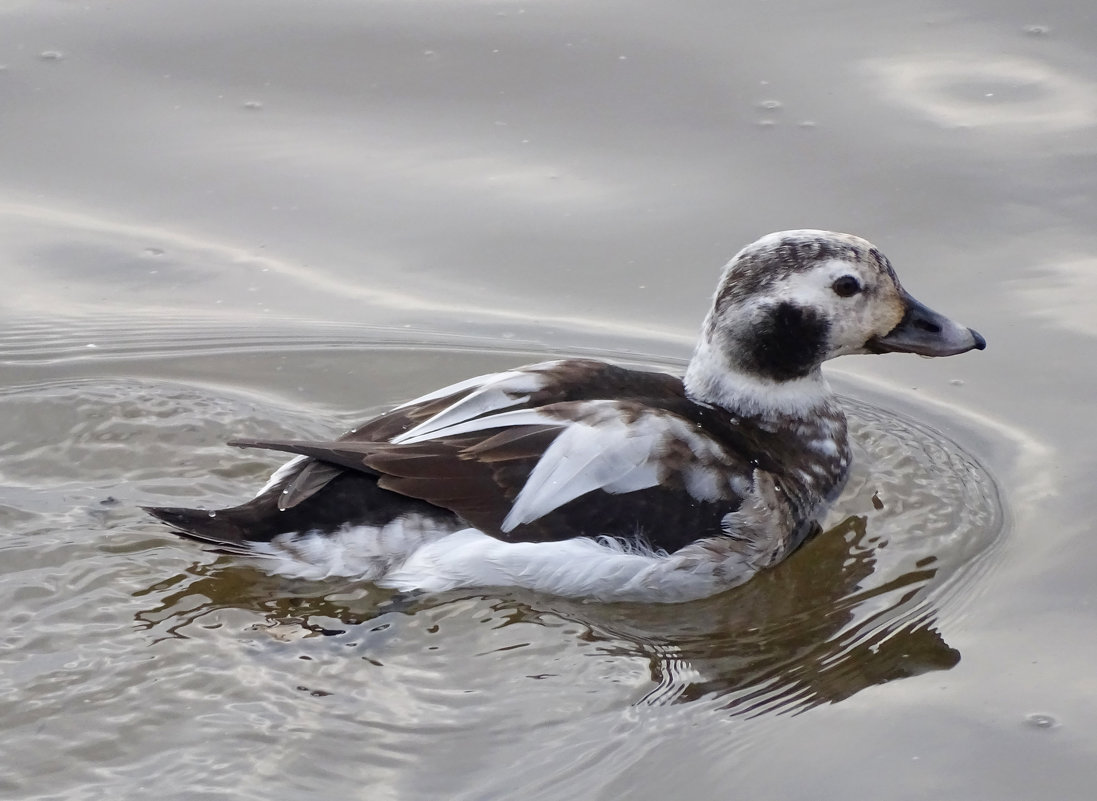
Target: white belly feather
{"type": "Point", "coordinates": [410, 554]}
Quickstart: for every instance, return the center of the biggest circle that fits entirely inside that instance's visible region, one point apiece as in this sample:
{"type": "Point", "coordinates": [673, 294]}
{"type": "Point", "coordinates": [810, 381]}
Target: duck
{"type": "Point", "coordinates": [585, 479]}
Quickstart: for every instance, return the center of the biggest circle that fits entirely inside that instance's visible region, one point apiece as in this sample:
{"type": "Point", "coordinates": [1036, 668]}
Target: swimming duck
{"type": "Point", "coordinates": [580, 478]}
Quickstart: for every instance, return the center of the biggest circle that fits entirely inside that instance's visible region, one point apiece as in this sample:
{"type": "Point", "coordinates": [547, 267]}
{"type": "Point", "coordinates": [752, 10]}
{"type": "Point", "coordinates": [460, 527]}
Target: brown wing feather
{"type": "Point", "coordinates": [477, 475]}
{"type": "Point", "coordinates": [320, 471]}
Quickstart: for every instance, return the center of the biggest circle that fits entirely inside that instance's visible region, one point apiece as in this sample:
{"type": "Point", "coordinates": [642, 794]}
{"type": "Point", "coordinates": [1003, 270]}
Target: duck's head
{"type": "Point", "coordinates": [792, 300]}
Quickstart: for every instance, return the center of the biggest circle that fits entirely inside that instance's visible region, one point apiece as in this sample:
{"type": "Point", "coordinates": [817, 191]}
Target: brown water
{"type": "Point", "coordinates": [269, 219]}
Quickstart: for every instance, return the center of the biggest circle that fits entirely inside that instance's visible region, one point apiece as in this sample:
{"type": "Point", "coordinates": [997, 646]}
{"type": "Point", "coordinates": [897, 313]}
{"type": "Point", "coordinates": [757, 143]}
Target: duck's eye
{"type": "Point", "coordinates": [846, 287]}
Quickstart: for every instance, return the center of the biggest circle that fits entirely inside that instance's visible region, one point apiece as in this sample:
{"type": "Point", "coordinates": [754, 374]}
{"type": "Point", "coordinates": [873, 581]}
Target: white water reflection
{"type": "Point", "coordinates": [176, 269]}
{"type": "Point", "coordinates": [988, 91]}
{"type": "Point", "coordinates": [1058, 295]}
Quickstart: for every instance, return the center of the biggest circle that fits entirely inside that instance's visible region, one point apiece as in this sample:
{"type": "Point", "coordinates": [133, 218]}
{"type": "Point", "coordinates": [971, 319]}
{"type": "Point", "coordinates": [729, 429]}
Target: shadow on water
{"type": "Point", "coordinates": [808, 632]}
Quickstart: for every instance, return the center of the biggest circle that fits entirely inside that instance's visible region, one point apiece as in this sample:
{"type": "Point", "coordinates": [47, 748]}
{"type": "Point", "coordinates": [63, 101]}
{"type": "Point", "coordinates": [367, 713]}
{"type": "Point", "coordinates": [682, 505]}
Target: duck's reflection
{"type": "Point", "coordinates": [814, 630]}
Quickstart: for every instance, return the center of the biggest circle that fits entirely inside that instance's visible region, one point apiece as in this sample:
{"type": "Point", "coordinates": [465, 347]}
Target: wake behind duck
{"type": "Point", "coordinates": [581, 478]}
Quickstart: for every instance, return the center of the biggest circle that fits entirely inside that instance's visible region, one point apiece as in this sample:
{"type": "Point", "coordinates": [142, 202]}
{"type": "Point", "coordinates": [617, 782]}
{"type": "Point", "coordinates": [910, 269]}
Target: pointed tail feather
{"type": "Point", "coordinates": [210, 528]}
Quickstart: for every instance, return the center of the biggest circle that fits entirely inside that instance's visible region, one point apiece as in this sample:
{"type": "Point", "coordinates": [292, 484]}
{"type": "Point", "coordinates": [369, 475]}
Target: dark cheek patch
{"type": "Point", "coordinates": [787, 343]}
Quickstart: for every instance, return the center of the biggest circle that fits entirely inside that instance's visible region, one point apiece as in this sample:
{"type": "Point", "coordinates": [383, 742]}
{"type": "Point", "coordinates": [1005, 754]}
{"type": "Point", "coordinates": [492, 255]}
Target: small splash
{"type": "Point", "coordinates": [51, 55]}
{"type": "Point", "coordinates": [1041, 721]}
{"type": "Point", "coordinates": [213, 514]}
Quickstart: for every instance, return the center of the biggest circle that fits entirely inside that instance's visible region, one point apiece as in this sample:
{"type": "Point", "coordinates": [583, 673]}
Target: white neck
{"type": "Point", "coordinates": [711, 379]}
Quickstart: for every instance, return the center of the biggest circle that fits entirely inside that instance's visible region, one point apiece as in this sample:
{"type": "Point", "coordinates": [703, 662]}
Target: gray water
{"type": "Point", "coordinates": [275, 219]}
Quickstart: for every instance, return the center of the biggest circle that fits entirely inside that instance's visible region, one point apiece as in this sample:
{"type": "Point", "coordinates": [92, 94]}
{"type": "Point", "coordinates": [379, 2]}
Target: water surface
{"type": "Point", "coordinates": [272, 219]}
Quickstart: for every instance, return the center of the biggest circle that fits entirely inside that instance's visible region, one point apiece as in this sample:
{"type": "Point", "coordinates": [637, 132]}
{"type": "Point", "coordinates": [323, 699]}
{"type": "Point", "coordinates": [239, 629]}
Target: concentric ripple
{"type": "Point", "coordinates": [858, 605]}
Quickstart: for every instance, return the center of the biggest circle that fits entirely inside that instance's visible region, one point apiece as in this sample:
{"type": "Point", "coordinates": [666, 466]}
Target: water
{"type": "Point", "coordinates": [275, 220]}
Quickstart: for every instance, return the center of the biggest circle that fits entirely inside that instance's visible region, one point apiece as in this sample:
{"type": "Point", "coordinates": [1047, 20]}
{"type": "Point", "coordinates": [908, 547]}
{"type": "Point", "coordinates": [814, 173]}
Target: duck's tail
{"type": "Point", "coordinates": [217, 528]}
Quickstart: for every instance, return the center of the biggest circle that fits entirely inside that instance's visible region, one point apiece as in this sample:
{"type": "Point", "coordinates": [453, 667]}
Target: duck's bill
{"type": "Point", "coordinates": [927, 333]}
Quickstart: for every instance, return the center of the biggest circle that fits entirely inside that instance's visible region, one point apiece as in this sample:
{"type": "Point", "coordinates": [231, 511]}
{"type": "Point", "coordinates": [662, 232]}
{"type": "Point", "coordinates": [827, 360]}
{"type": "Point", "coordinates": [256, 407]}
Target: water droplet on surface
{"type": "Point", "coordinates": [1040, 721]}
{"type": "Point", "coordinates": [213, 514]}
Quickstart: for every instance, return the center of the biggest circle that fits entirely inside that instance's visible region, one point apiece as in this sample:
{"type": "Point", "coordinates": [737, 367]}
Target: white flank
{"type": "Point", "coordinates": [361, 552]}
{"type": "Point", "coordinates": [412, 554]}
{"type": "Point", "coordinates": [599, 569]}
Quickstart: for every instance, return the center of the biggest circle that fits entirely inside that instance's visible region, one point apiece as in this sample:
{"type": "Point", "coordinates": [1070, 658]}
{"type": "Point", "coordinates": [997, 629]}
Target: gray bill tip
{"type": "Point", "coordinates": [927, 333]}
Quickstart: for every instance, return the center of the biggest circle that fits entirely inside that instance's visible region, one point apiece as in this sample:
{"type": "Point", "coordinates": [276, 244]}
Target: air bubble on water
{"type": "Point", "coordinates": [1039, 721]}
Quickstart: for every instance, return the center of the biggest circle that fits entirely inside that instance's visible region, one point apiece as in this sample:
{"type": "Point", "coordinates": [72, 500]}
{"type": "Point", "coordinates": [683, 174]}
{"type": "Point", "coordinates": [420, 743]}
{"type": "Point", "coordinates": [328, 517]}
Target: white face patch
{"type": "Point", "coordinates": [873, 311]}
{"type": "Point", "coordinates": [832, 292]}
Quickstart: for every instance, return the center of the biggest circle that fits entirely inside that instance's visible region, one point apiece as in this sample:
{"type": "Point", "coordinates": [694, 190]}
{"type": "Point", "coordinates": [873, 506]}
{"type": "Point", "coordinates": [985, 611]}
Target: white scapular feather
{"type": "Point", "coordinates": [499, 391]}
{"type": "Point", "coordinates": [519, 417]}
{"type": "Point", "coordinates": [609, 454]}
{"type": "Point", "coordinates": [281, 473]}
